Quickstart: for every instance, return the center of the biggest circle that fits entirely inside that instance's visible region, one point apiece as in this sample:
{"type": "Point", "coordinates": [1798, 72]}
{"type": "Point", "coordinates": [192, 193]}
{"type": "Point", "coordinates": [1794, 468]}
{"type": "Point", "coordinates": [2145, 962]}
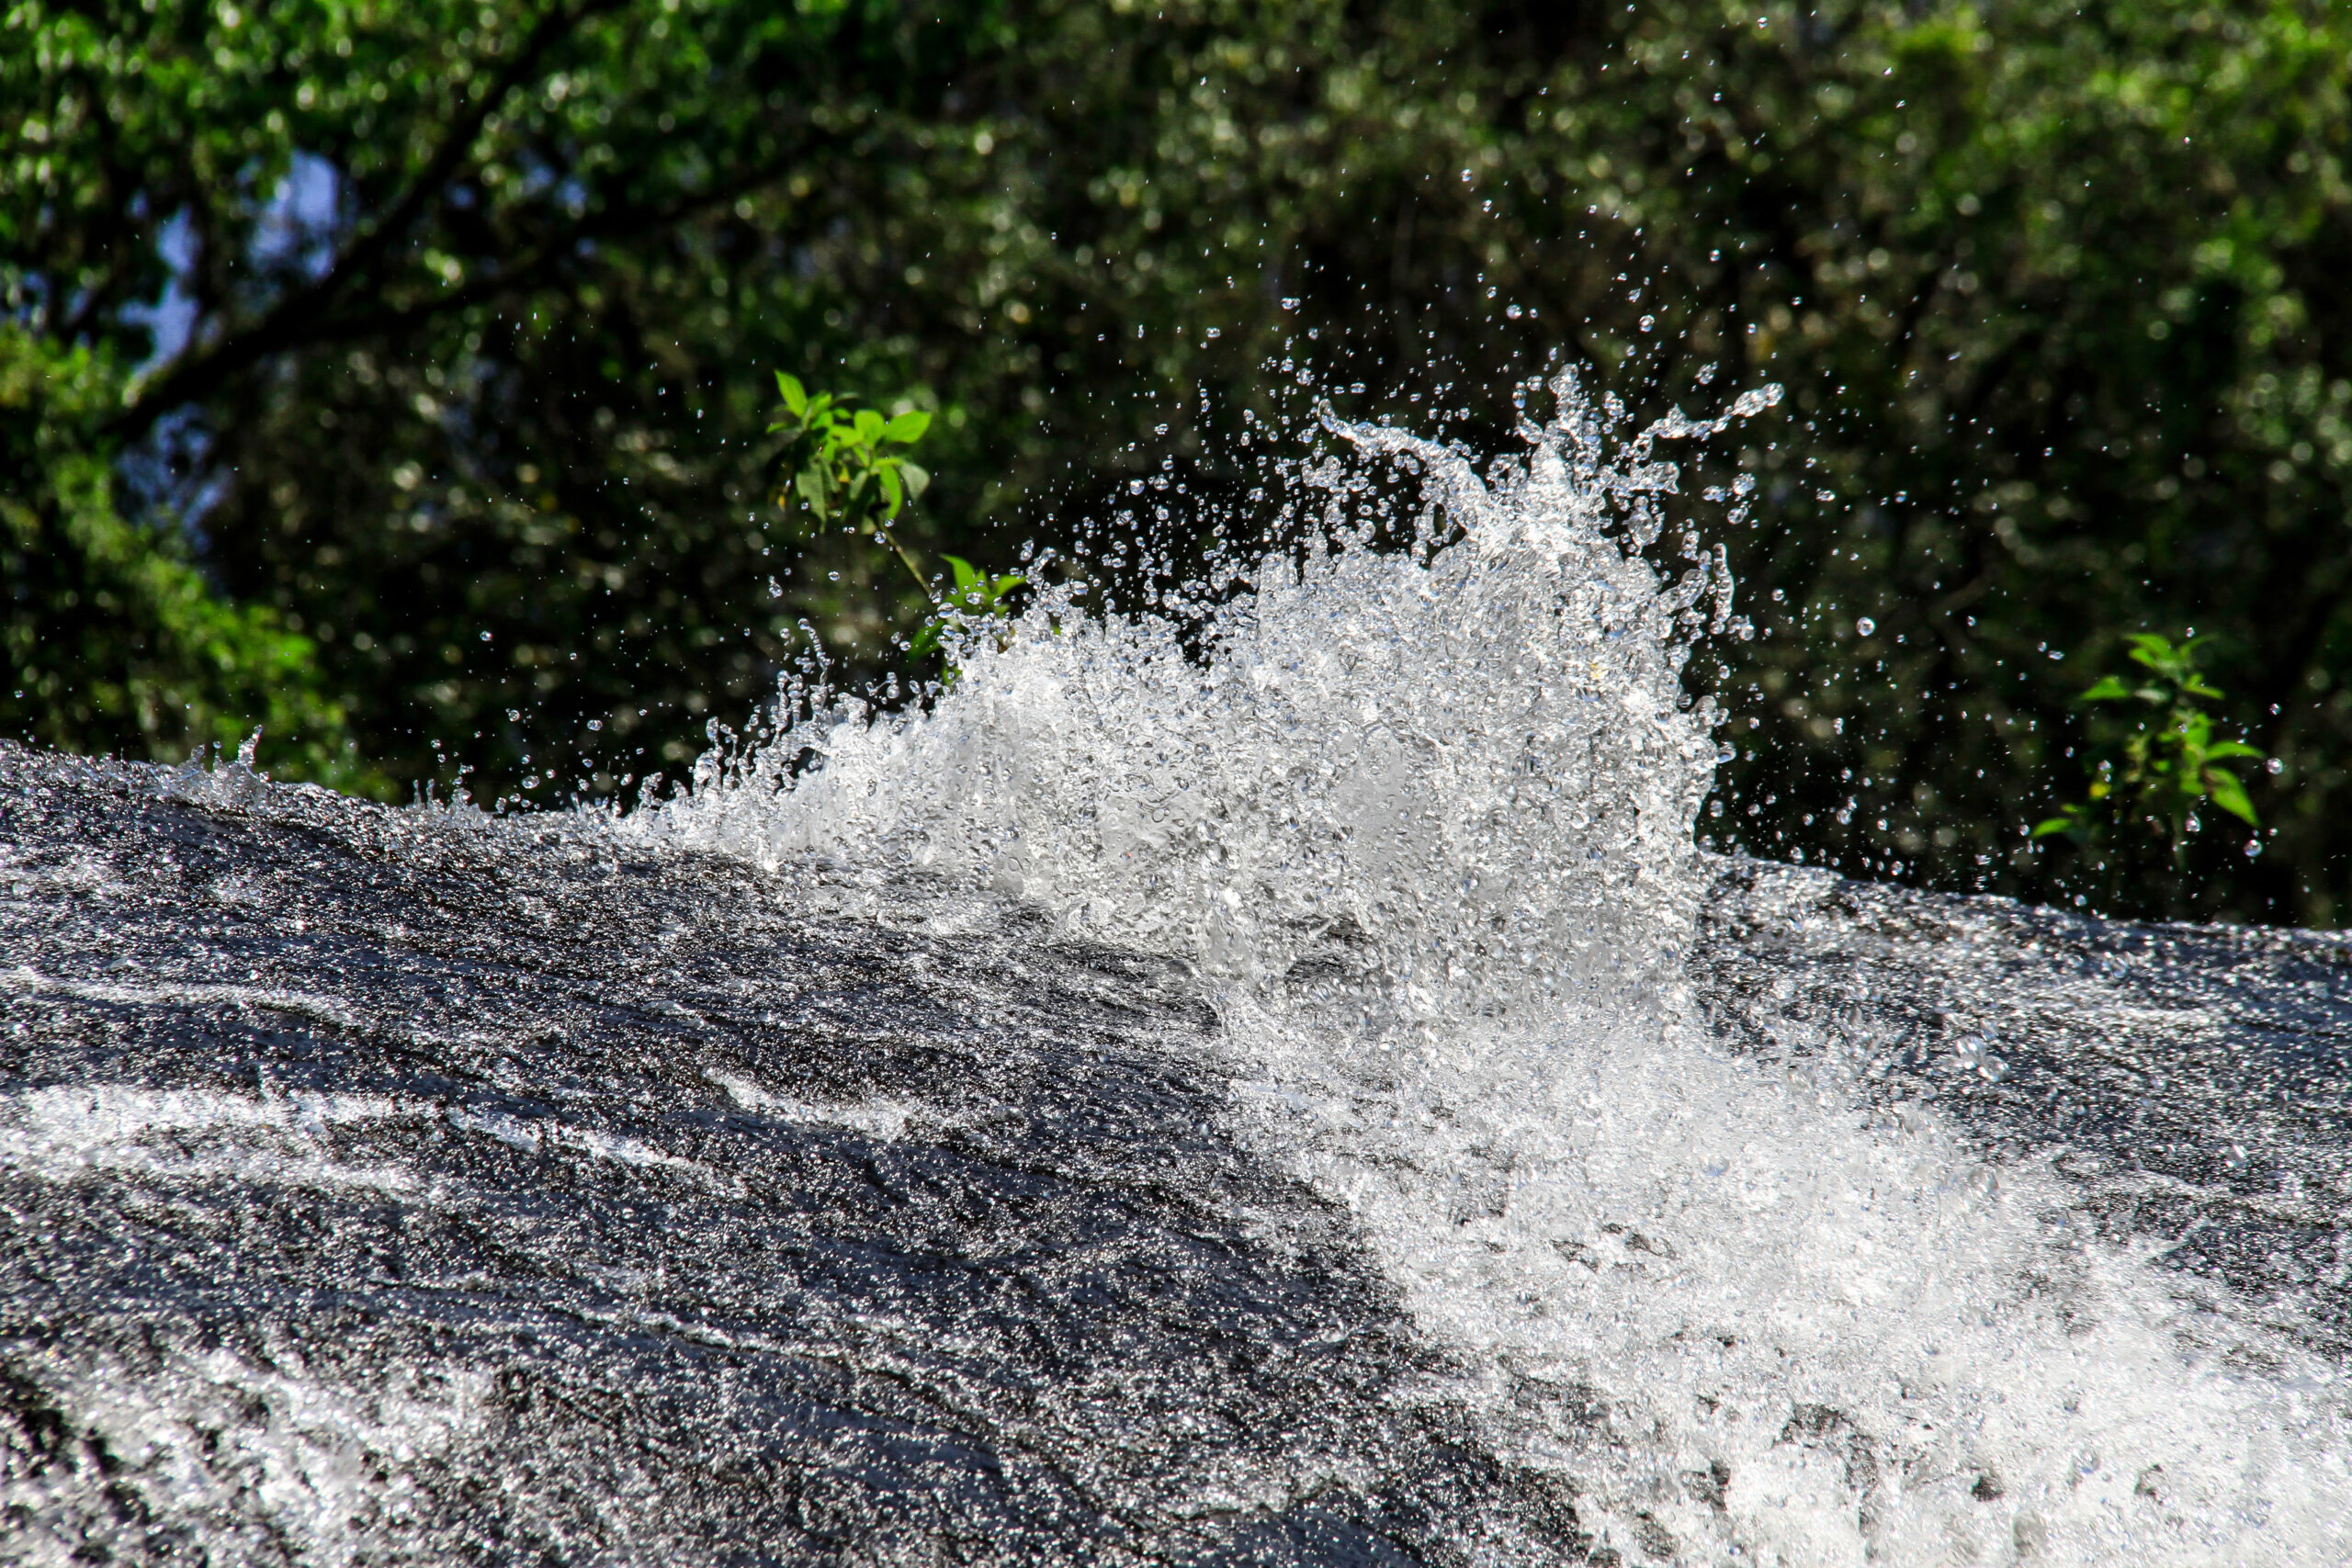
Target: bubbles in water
{"type": "Point", "coordinates": [1423, 819]}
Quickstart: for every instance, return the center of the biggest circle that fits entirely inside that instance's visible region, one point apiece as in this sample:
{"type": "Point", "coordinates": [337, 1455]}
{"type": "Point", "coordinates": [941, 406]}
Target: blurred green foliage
{"type": "Point", "coordinates": [481, 298]}
{"type": "Point", "coordinates": [112, 640]}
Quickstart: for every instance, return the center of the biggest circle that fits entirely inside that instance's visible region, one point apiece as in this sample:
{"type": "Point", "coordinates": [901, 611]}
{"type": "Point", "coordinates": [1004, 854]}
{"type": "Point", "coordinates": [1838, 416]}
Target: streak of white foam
{"type": "Point", "coordinates": [66, 1132]}
{"type": "Point", "coordinates": [882, 1118]}
{"type": "Point", "coordinates": [301, 1004]}
{"type": "Point", "coordinates": [536, 1136]}
{"type": "Point", "coordinates": [250, 997]}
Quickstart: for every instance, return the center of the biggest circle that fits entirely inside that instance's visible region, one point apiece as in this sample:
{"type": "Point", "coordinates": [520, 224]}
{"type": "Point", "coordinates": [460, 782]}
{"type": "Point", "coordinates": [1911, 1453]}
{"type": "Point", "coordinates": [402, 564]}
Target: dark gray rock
{"type": "Point", "coordinates": [377, 1186]}
{"type": "Point", "coordinates": [385, 1186]}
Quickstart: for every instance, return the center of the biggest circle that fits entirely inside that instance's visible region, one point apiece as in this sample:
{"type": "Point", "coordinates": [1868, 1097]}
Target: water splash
{"type": "Point", "coordinates": [1382, 751]}
{"type": "Point", "coordinates": [1424, 818]}
{"type": "Point", "coordinates": [209, 778]}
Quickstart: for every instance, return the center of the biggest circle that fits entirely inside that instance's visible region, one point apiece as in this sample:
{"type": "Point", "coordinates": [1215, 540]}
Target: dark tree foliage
{"type": "Point", "coordinates": [486, 301]}
{"type": "Point", "coordinates": [111, 638]}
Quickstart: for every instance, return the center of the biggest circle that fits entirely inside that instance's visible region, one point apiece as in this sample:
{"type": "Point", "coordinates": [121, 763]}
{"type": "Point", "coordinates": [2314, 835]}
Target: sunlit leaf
{"type": "Point", "coordinates": [2231, 797]}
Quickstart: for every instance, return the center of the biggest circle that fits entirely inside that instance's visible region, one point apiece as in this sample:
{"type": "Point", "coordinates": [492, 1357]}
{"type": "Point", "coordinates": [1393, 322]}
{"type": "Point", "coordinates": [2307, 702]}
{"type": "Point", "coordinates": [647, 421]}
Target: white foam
{"type": "Point", "coordinates": [535, 1135]}
{"type": "Point", "coordinates": [324, 1471]}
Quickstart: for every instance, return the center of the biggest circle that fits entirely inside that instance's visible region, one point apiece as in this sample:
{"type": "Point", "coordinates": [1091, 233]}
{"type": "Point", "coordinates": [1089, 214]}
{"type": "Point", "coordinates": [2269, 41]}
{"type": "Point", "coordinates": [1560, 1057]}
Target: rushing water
{"type": "Point", "coordinates": [1425, 819]}
{"type": "Point", "coordinates": [1259, 1076]}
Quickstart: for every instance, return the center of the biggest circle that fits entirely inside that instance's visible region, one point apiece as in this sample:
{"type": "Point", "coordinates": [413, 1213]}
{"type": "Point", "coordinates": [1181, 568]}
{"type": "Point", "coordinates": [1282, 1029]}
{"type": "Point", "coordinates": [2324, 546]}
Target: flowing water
{"type": "Point", "coordinates": [1426, 818]}
{"type": "Point", "coordinates": [1324, 1107]}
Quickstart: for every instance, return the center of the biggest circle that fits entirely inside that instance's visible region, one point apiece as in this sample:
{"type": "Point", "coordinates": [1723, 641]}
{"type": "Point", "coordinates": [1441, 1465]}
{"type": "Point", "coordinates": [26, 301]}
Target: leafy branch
{"type": "Point", "coordinates": [844, 466]}
{"type": "Point", "coordinates": [2168, 765]}
{"type": "Point", "coordinates": [837, 461]}
{"type": "Point", "coordinates": [359, 267]}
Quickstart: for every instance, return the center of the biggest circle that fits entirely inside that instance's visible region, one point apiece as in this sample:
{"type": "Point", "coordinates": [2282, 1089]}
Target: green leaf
{"type": "Point", "coordinates": [796, 398]}
{"type": "Point", "coordinates": [2107, 689]}
{"type": "Point", "coordinates": [2054, 825]}
{"type": "Point", "coordinates": [2231, 797]}
{"type": "Point", "coordinates": [909, 428]}
{"type": "Point", "coordinates": [918, 479]}
{"type": "Point", "coordinates": [891, 491]}
{"type": "Point", "coordinates": [869, 426]}
{"type": "Point", "coordinates": [2231, 749]}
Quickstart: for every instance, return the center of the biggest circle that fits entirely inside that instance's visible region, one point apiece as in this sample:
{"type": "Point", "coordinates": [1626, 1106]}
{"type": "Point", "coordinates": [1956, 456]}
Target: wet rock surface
{"type": "Point", "coordinates": [383, 1187]}
{"type": "Point", "coordinates": [2193, 1084]}
{"type": "Point", "coordinates": [388, 1185]}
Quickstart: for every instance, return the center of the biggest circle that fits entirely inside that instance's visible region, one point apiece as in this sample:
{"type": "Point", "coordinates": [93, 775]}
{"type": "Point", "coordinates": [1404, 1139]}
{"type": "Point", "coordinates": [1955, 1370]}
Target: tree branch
{"type": "Point", "coordinates": [200, 375]}
{"type": "Point", "coordinates": [617, 221]}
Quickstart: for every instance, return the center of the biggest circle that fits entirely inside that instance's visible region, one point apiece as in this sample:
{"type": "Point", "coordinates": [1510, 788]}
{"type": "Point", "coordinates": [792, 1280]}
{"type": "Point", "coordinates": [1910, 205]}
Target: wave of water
{"type": "Point", "coordinates": [1425, 819]}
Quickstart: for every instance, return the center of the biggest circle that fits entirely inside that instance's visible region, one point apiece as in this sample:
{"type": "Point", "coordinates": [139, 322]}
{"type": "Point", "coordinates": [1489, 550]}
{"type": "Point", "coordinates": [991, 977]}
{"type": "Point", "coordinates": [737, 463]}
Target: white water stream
{"type": "Point", "coordinates": [1425, 820]}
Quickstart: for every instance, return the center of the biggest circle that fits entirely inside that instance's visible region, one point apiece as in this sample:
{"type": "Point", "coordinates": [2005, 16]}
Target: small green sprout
{"type": "Point", "coordinates": [840, 464]}
{"type": "Point", "coordinates": [2168, 765]}
{"type": "Point", "coordinates": [837, 461]}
